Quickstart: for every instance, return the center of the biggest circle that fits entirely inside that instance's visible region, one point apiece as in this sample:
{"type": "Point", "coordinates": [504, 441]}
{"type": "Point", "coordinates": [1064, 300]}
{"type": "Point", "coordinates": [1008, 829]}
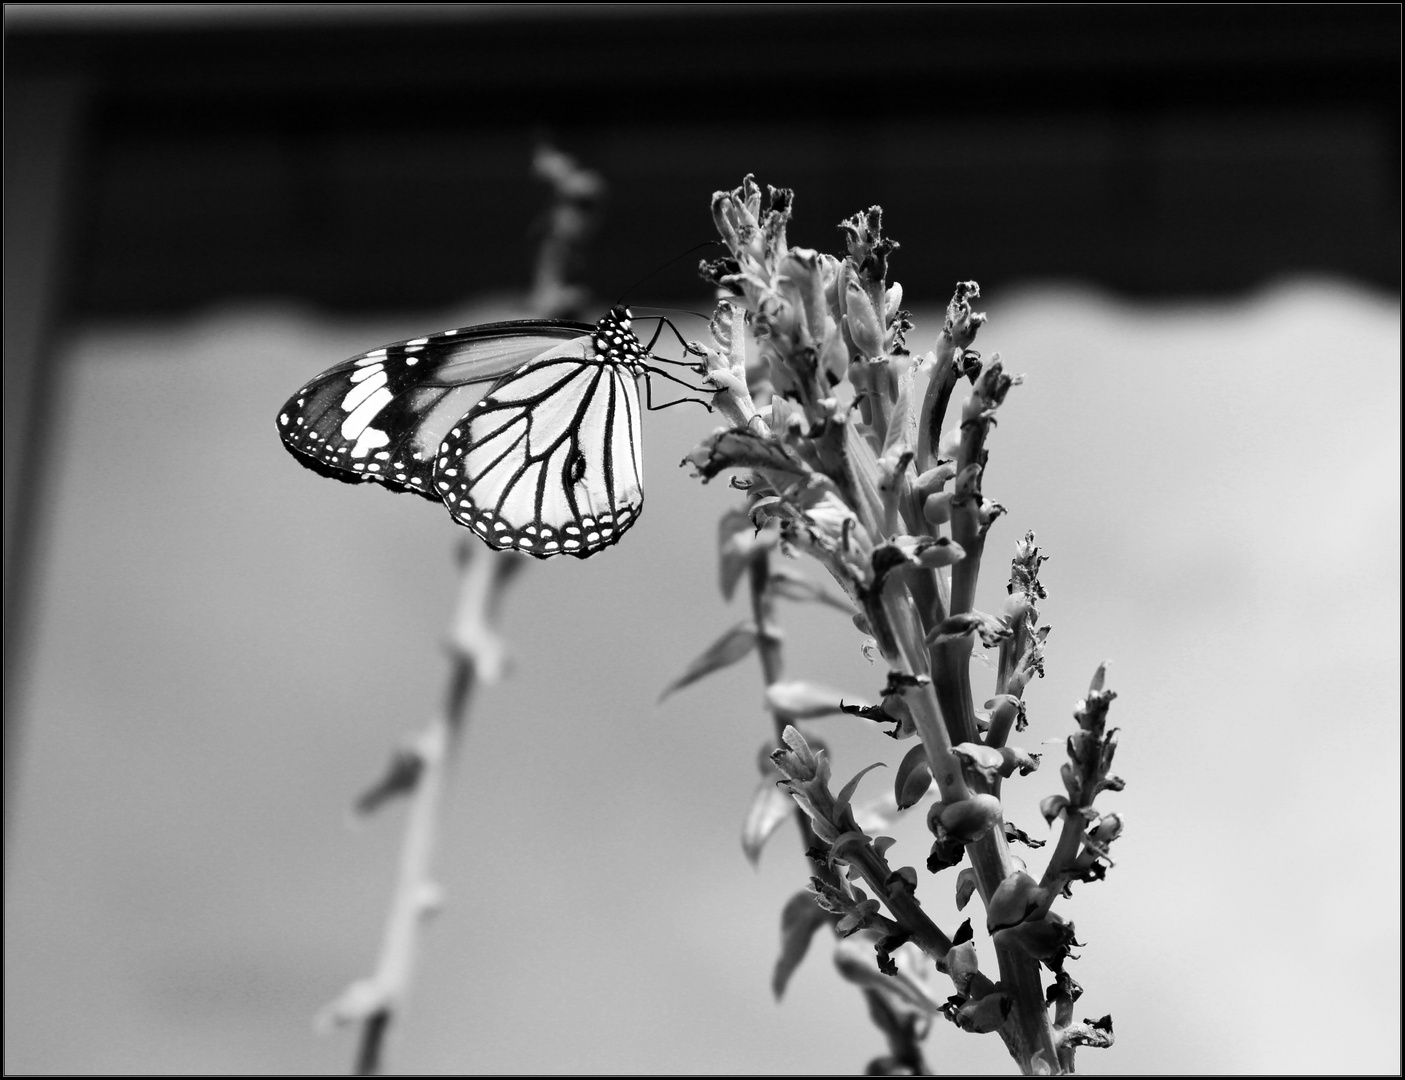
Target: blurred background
{"type": "Point", "coordinates": [1185, 222]}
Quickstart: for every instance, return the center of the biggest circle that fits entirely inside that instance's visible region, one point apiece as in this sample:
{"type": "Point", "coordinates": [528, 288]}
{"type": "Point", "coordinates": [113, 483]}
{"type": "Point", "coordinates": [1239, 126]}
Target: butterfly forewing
{"type": "Point", "coordinates": [381, 416]}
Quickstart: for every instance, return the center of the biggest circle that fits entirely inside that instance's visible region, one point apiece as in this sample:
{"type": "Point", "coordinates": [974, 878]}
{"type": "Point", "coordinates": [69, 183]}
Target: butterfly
{"type": "Point", "coordinates": [548, 461]}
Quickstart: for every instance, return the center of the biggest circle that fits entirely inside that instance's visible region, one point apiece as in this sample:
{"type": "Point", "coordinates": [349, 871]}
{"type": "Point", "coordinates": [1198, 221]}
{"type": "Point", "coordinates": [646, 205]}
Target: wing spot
{"type": "Point", "coordinates": [442, 486]}
{"type": "Point", "coordinates": [524, 541]}
{"type": "Point", "coordinates": [368, 440]}
{"type": "Point", "coordinates": [283, 419]}
{"type": "Point", "coordinates": [411, 361]}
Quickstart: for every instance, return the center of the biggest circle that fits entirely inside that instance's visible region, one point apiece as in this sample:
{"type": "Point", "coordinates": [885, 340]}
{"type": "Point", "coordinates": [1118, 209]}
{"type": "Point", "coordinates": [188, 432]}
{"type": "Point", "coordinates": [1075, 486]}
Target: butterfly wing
{"type": "Point", "coordinates": [382, 415]}
{"type": "Point", "coordinates": [550, 461]}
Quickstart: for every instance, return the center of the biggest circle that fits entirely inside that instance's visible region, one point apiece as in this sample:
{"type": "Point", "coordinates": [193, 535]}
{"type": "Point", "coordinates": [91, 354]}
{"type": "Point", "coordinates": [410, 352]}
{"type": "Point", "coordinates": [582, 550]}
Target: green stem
{"type": "Point", "coordinates": [932, 727]}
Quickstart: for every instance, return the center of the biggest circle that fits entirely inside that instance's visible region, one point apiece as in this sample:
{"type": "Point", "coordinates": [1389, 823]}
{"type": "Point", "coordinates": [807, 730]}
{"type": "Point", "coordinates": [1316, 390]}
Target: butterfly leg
{"type": "Point", "coordinates": [649, 392]}
{"type": "Point", "coordinates": [688, 348]}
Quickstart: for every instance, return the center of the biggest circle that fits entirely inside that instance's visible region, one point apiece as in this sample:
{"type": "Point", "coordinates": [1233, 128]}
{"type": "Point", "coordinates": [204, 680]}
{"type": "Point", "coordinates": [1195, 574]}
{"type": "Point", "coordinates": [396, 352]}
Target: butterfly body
{"type": "Point", "coordinates": [548, 461]}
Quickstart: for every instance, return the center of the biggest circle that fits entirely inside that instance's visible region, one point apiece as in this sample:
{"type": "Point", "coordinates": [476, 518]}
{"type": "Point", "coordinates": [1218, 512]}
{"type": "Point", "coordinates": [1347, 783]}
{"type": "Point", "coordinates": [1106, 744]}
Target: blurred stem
{"type": "Point", "coordinates": [414, 897]}
{"type": "Point", "coordinates": [476, 658]}
{"type": "Point", "coordinates": [904, 1038]}
{"type": "Point", "coordinates": [768, 647]}
{"type": "Point", "coordinates": [476, 652]}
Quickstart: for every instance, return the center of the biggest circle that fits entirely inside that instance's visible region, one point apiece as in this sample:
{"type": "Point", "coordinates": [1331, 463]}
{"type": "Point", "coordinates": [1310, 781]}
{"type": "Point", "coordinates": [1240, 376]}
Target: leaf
{"type": "Point", "coordinates": [800, 918]}
{"type": "Point", "coordinates": [734, 548]}
{"type": "Point", "coordinates": [803, 700]}
{"type": "Point", "coordinates": [857, 965]}
{"type": "Point", "coordinates": [770, 805]}
{"type": "Point", "coordinates": [728, 649]}
{"type": "Point", "coordinates": [847, 791]}
{"type": "Point", "coordinates": [1053, 807]}
{"type": "Point", "coordinates": [914, 777]}
{"type": "Point", "coordinates": [965, 887]}
{"type": "Point", "coordinates": [737, 448]}
{"type": "Point", "coordinates": [792, 586]}
{"type": "Point", "coordinates": [1014, 834]}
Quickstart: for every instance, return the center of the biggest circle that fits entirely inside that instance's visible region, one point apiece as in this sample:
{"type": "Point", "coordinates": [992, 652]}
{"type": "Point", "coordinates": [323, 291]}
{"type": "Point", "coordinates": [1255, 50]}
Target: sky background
{"type": "Point", "coordinates": [226, 647]}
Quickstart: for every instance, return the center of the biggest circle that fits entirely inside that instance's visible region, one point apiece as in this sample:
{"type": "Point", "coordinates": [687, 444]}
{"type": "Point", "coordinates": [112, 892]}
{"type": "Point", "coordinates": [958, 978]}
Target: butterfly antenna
{"type": "Point", "coordinates": [660, 269]}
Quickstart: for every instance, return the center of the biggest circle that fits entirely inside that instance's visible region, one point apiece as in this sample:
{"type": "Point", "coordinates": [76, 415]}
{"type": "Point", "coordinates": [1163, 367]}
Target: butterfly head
{"type": "Point", "coordinates": [614, 339]}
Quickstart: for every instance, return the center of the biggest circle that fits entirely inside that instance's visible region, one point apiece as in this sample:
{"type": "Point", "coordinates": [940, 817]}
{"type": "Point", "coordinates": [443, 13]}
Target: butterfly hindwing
{"type": "Point", "coordinates": [550, 461]}
{"type": "Point", "coordinates": [381, 415]}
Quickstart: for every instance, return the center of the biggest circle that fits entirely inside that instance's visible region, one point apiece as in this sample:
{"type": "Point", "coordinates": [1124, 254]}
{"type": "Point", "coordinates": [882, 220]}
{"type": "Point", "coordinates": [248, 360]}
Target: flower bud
{"type": "Point", "coordinates": [1108, 829]}
{"type": "Point", "coordinates": [934, 479]}
{"type": "Point", "coordinates": [1014, 900]}
{"type": "Point", "coordinates": [937, 508]}
{"type": "Point", "coordinates": [1017, 609]}
{"type": "Point", "coordinates": [1041, 939]}
{"type": "Point", "coordinates": [971, 818]}
{"type": "Point", "coordinates": [979, 760]}
{"type": "Point", "coordinates": [1015, 758]}
{"type": "Point", "coordinates": [985, 1015]}
{"type": "Point", "coordinates": [796, 759]}
{"type": "Point", "coordinates": [962, 965]}
{"type": "Point", "coordinates": [862, 320]}
{"type": "Point", "coordinates": [942, 552]}
{"type": "Point", "coordinates": [961, 322]}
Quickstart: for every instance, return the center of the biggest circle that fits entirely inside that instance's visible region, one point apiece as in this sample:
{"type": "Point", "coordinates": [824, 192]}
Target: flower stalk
{"type": "Point", "coordinates": [836, 432]}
